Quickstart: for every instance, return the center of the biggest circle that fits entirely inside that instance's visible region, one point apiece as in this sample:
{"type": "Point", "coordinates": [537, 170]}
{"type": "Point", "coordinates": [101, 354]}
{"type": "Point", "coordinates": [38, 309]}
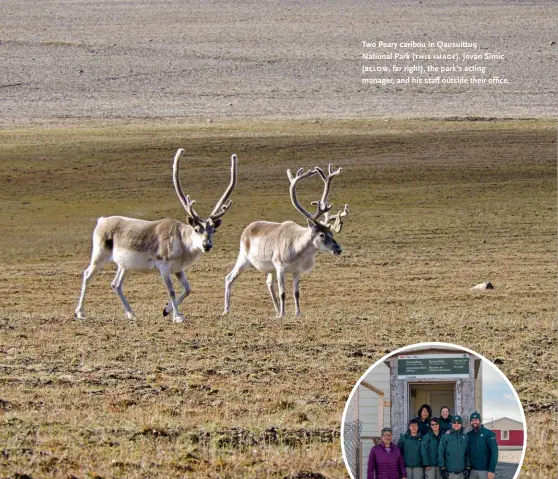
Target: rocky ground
{"type": "Point", "coordinates": [435, 207]}
{"type": "Point", "coordinates": [73, 60]}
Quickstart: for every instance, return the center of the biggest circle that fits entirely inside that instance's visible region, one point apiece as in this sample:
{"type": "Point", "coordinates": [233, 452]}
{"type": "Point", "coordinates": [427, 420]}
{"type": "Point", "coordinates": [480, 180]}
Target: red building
{"type": "Point", "coordinates": [508, 432]}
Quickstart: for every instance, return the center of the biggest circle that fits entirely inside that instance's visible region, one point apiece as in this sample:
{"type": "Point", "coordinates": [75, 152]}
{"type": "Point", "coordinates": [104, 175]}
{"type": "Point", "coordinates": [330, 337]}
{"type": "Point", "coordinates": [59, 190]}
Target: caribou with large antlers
{"type": "Point", "coordinates": [288, 247]}
{"type": "Point", "coordinates": [168, 246]}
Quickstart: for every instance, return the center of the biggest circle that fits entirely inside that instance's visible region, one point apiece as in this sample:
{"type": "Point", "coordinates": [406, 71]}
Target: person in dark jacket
{"type": "Point", "coordinates": [424, 415]}
{"type": "Point", "coordinates": [483, 449]}
{"type": "Point", "coordinates": [410, 445]}
{"type": "Point", "coordinates": [385, 460]}
{"type": "Point", "coordinates": [445, 420]}
{"type": "Point", "coordinates": [429, 450]}
{"type": "Point", "coordinates": [453, 452]}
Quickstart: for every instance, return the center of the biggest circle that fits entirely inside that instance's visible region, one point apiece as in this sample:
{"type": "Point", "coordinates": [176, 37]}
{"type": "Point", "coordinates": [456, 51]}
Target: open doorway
{"type": "Point", "coordinates": [434, 394]}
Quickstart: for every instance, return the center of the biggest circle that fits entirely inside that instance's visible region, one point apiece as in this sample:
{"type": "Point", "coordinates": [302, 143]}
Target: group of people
{"type": "Point", "coordinates": [436, 448]}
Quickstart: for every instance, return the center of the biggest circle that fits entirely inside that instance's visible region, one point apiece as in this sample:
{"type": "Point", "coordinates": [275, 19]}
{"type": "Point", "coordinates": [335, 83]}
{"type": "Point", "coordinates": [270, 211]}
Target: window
{"type": "Point", "coordinates": [505, 435]}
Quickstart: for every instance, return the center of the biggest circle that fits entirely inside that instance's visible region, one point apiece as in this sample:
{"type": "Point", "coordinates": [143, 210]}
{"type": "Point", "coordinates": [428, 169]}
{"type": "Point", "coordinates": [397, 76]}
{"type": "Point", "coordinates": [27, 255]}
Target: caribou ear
{"type": "Point", "coordinates": [312, 225]}
{"type": "Point", "coordinates": [217, 223]}
{"type": "Point", "coordinates": [191, 221]}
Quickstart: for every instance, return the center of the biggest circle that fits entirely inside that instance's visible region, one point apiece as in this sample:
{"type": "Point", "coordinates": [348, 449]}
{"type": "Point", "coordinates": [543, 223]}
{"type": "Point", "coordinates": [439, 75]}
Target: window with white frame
{"type": "Point", "coordinates": [505, 435]}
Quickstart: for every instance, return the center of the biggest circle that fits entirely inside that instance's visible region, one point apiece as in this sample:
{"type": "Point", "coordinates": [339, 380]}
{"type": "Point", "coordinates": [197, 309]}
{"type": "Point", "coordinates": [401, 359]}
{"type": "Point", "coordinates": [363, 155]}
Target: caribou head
{"type": "Point", "coordinates": [204, 228]}
{"type": "Point", "coordinates": [322, 228]}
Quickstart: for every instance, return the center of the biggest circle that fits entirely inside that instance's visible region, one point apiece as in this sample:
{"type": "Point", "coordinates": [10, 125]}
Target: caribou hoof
{"type": "Point", "coordinates": [165, 312]}
{"type": "Point", "coordinates": [178, 318]}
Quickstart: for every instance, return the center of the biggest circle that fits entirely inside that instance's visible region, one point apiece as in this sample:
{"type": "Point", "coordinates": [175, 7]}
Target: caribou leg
{"type": "Point", "coordinates": [296, 280]}
{"type": "Point", "coordinates": [116, 286]}
{"type": "Point", "coordinates": [269, 282]}
{"type": "Point", "coordinates": [177, 317]}
{"type": "Point", "coordinates": [99, 258]}
{"type": "Point", "coordinates": [187, 289]}
{"type": "Point", "coordinates": [242, 264]}
{"type": "Point", "coordinates": [281, 284]}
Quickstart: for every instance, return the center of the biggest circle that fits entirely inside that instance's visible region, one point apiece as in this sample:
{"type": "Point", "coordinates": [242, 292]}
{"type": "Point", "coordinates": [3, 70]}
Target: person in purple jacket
{"type": "Point", "coordinates": [385, 460]}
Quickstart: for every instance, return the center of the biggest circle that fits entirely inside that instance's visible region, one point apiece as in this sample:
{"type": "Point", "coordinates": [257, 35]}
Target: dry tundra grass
{"type": "Point", "coordinates": [436, 207]}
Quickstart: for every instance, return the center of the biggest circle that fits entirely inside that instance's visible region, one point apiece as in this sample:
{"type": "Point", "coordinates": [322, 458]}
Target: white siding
{"type": "Point", "coordinates": [366, 447]}
{"type": "Point", "coordinates": [369, 401]}
{"type": "Point", "coordinates": [379, 377]}
{"type": "Point", "coordinates": [368, 409]}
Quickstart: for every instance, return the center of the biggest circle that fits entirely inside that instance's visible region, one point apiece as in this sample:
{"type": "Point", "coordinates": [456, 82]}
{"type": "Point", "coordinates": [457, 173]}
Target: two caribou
{"type": "Point", "coordinates": [168, 246]}
{"type": "Point", "coordinates": [288, 247]}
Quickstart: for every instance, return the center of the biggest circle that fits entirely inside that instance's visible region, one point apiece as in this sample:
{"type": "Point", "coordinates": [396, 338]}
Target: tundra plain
{"type": "Point", "coordinates": [435, 208]}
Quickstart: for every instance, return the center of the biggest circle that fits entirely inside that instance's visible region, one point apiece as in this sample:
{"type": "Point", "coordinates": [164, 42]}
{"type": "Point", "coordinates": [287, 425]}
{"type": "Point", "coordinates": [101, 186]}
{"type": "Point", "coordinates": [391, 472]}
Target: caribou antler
{"type": "Point", "coordinates": [222, 205]}
{"type": "Point", "coordinates": [323, 204]}
{"type": "Point", "coordinates": [185, 200]}
{"type": "Point", "coordinates": [294, 180]}
{"type": "Point", "coordinates": [336, 227]}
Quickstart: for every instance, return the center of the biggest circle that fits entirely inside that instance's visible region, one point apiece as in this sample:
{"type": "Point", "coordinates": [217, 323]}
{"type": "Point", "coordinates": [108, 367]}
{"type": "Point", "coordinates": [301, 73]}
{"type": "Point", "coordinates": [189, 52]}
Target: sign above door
{"type": "Point", "coordinates": [435, 366]}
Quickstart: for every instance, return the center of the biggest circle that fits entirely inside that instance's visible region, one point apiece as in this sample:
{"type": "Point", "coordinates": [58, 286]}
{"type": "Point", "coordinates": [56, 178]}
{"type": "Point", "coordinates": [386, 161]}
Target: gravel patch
{"type": "Point", "coordinates": [70, 60]}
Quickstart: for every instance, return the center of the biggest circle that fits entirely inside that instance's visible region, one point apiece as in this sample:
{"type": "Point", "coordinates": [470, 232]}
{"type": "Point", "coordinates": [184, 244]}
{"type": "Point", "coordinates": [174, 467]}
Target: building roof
{"type": "Point", "coordinates": [433, 349]}
{"type": "Point", "coordinates": [501, 421]}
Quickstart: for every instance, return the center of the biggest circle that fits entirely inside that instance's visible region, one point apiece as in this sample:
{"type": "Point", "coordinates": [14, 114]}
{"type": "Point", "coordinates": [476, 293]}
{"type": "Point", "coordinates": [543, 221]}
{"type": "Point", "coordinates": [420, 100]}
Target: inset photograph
{"type": "Point", "coordinates": [433, 411]}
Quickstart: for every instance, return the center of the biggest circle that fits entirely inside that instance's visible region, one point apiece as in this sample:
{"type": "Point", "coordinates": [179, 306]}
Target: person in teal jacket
{"type": "Point", "coordinates": [453, 452]}
{"type": "Point", "coordinates": [410, 445]}
{"type": "Point", "coordinates": [483, 449]}
{"type": "Point", "coordinates": [429, 450]}
{"type": "Point", "coordinates": [445, 420]}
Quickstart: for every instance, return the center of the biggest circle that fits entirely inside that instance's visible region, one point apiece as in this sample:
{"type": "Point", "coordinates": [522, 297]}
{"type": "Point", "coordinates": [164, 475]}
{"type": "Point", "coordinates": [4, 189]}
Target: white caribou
{"type": "Point", "coordinates": [288, 247]}
{"type": "Point", "coordinates": [167, 245]}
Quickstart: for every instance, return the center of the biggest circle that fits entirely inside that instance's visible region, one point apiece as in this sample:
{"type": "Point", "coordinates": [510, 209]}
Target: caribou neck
{"type": "Point", "coordinates": [305, 243]}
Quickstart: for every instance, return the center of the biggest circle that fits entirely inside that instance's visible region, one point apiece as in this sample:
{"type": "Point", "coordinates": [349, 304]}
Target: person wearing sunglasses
{"type": "Point", "coordinates": [453, 452]}
{"type": "Point", "coordinates": [429, 450]}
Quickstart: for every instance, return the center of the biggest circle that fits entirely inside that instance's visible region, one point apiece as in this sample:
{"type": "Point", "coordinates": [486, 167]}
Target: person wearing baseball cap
{"type": "Point", "coordinates": [453, 452]}
{"type": "Point", "coordinates": [483, 449]}
{"type": "Point", "coordinates": [410, 445]}
{"type": "Point", "coordinates": [385, 460]}
{"type": "Point", "coordinates": [429, 450]}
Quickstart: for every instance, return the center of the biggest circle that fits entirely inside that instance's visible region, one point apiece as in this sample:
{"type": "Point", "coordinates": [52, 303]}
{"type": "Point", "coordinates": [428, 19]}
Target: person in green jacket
{"type": "Point", "coordinates": [483, 449]}
{"type": "Point", "coordinates": [429, 450]}
{"type": "Point", "coordinates": [445, 420]}
{"type": "Point", "coordinates": [410, 445]}
{"type": "Point", "coordinates": [423, 418]}
{"type": "Point", "coordinates": [453, 452]}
